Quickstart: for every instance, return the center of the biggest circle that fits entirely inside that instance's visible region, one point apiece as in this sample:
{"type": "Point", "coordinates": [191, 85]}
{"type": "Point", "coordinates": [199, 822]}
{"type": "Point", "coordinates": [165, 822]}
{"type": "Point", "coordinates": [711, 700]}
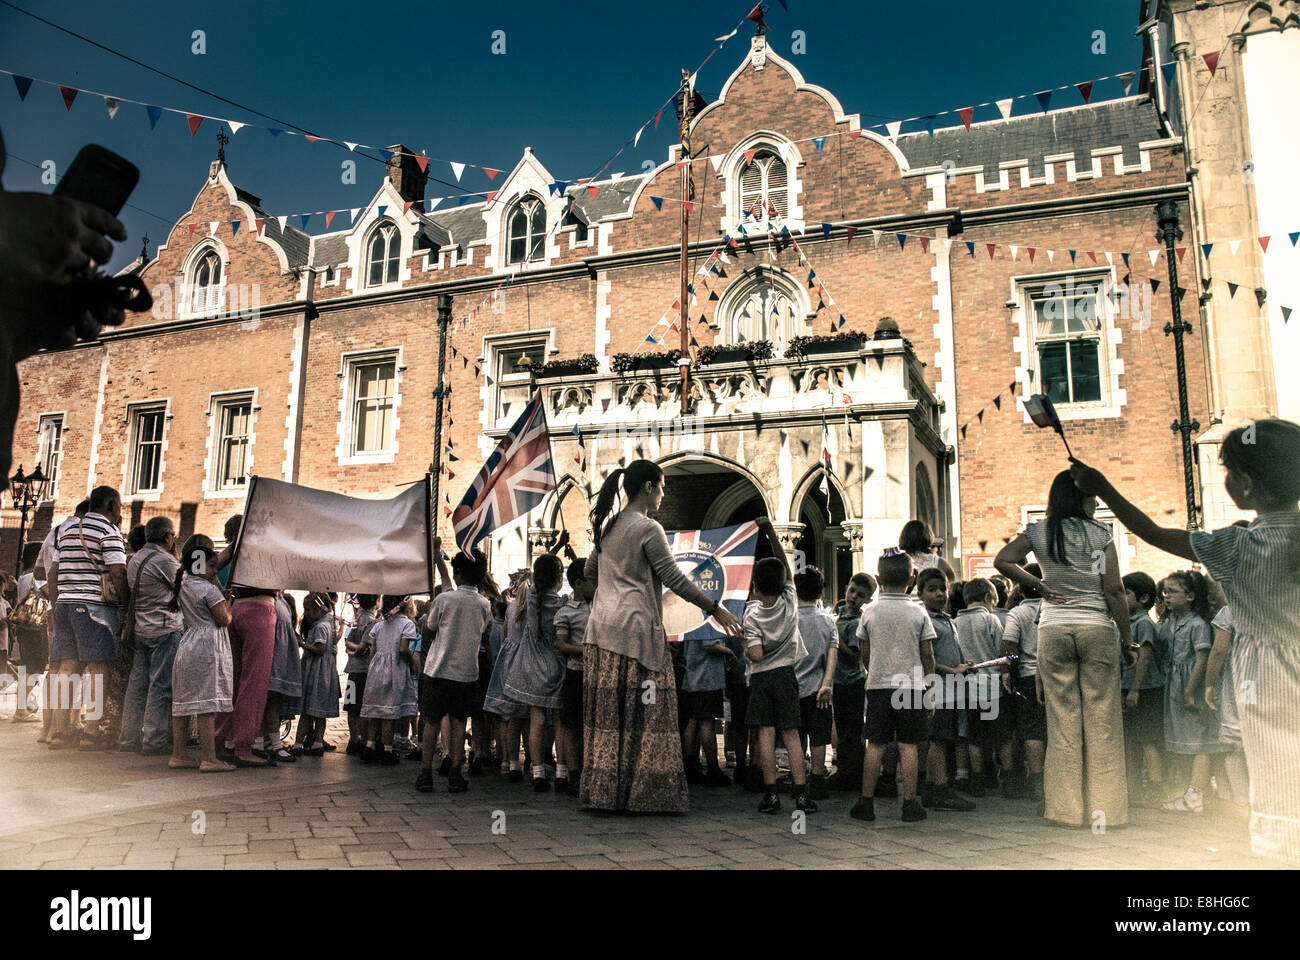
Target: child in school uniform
{"type": "Point", "coordinates": [1221, 696]}
{"type": "Point", "coordinates": [849, 691]}
{"type": "Point", "coordinates": [979, 636]}
{"type": "Point", "coordinates": [537, 676]}
{"type": "Point", "coordinates": [938, 793]}
{"type": "Point", "coordinates": [1028, 713]}
{"type": "Point", "coordinates": [284, 687]}
{"type": "Point", "coordinates": [320, 677]}
{"type": "Point", "coordinates": [1191, 728]}
{"type": "Point", "coordinates": [513, 715]}
{"type": "Point", "coordinates": [357, 646]}
{"type": "Point", "coordinates": [773, 646]}
{"type": "Point", "coordinates": [570, 629]}
{"type": "Point", "coordinates": [898, 646]}
{"type": "Point", "coordinates": [815, 674]}
{"type": "Point", "coordinates": [1143, 689]}
{"type": "Point", "coordinates": [739, 741]}
{"type": "Point", "coordinates": [457, 623]}
{"type": "Point", "coordinates": [704, 679]}
{"type": "Point", "coordinates": [202, 670]}
{"type": "Point", "coordinates": [390, 688]}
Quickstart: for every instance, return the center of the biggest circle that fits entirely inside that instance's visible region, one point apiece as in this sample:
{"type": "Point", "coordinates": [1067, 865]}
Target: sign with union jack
{"type": "Point", "coordinates": [721, 563]}
{"type": "Point", "coordinates": [514, 480]}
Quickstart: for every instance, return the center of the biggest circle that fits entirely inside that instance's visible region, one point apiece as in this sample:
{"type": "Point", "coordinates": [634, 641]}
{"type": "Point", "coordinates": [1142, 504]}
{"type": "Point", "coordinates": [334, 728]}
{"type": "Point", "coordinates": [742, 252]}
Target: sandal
{"type": "Point", "coordinates": [176, 763]}
{"type": "Point", "coordinates": [283, 755]}
{"type": "Point", "coordinates": [209, 766]}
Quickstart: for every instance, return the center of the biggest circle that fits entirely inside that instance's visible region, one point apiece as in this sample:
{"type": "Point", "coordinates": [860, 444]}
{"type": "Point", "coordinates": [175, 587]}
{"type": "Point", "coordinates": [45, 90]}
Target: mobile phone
{"type": "Point", "coordinates": [100, 177]}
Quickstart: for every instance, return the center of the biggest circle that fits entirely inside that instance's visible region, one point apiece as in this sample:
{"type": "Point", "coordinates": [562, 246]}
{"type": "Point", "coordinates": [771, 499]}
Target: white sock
{"type": "Point", "coordinates": [276, 742]}
{"type": "Point", "coordinates": [539, 772]}
{"type": "Point", "coordinates": [370, 744]}
{"type": "Point", "coordinates": [259, 743]}
{"type": "Point", "coordinates": [963, 773]}
{"type": "Point", "coordinates": [516, 765]}
{"type": "Point", "coordinates": [561, 772]}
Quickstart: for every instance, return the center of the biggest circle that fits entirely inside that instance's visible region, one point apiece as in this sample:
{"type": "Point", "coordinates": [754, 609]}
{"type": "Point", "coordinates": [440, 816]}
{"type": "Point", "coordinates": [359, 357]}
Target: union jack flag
{"type": "Point", "coordinates": [721, 563]}
{"type": "Point", "coordinates": [514, 480]}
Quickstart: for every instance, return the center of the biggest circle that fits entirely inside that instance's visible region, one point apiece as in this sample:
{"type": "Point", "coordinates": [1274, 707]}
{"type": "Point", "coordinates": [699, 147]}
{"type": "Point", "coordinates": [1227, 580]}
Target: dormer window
{"type": "Point", "coordinates": [527, 231]}
{"type": "Point", "coordinates": [383, 255]}
{"type": "Point", "coordinates": [764, 185]}
{"type": "Point", "coordinates": [206, 285]}
{"type": "Point", "coordinates": [571, 219]}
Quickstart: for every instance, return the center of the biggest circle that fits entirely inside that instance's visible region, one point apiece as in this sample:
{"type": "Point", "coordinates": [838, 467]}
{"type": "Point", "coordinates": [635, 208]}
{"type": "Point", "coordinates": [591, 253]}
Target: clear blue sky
{"type": "Point", "coordinates": [576, 81]}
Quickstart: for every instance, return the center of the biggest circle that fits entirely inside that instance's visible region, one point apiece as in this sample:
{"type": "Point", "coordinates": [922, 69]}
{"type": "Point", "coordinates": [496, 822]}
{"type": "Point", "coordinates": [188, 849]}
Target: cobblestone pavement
{"type": "Point", "coordinates": [64, 809]}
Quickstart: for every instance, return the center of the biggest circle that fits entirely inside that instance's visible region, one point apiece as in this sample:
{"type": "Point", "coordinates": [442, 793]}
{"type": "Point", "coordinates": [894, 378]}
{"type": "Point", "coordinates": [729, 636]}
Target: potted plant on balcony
{"type": "Point", "coordinates": [734, 352]}
{"type": "Point", "coordinates": [848, 341]}
{"type": "Point", "coordinates": [571, 366]}
{"type": "Point", "coordinates": [622, 363]}
{"type": "Point", "coordinates": [887, 329]}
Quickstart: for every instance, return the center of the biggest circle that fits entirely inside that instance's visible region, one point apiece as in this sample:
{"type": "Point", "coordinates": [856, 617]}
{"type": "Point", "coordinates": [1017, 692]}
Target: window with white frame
{"type": "Point", "coordinates": [383, 255]}
{"type": "Point", "coordinates": [372, 395]}
{"type": "Point", "coordinates": [526, 231]}
{"type": "Point", "coordinates": [764, 186]}
{"type": "Point", "coordinates": [205, 283]}
{"type": "Point", "coordinates": [50, 451]}
{"type": "Point", "coordinates": [147, 426]}
{"type": "Point", "coordinates": [1066, 323]}
{"type": "Point", "coordinates": [232, 418]}
{"type": "Point", "coordinates": [513, 382]}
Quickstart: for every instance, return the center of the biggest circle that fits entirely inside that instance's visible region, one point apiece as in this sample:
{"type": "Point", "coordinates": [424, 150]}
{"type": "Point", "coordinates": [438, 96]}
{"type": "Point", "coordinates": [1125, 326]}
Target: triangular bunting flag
{"type": "Point", "coordinates": [1155, 285]}
{"type": "Point", "coordinates": [1205, 250]}
{"type": "Point", "coordinates": [112, 103]}
{"type": "Point", "coordinates": [826, 231]}
{"type": "Point", "coordinates": [1232, 246]}
{"type": "Point", "coordinates": [894, 126]}
{"type": "Point", "coordinates": [456, 168]}
{"type": "Point", "coordinates": [1031, 251]}
{"type": "Point", "coordinates": [1127, 79]}
{"type": "Point", "coordinates": [1232, 289]}
{"type": "Point", "coordinates": [234, 227]}
{"type": "Point", "coordinates": [192, 226]}
{"type": "Point", "coordinates": [260, 222]}
{"type": "Point", "coordinates": [1294, 237]}
{"type": "Point", "coordinates": [819, 142]}
{"type": "Point", "coordinates": [1211, 61]}
{"type": "Point", "coordinates": [406, 208]}
{"type": "Point", "coordinates": [1013, 247]}
{"type": "Point", "coordinates": [902, 240]}
{"type": "Point", "coordinates": [1072, 256]}
{"type": "Point", "coordinates": [925, 244]}
{"type": "Point", "coordinates": [1044, 99]}
{"type": "Point", "coordinates": [304, 218]}
{"type": "Point", "coordinates": [1263, 244]}
{"type": "Point", "coordinates": [212, 228]}
{"type": "Point", "coordinates": [991, 248]}
{"type": "Point", "coordinates": [658, 202]}
{"type": "Point", "coordinates": [69, 94]}
{"type": "Point", "coordinates": [491, 174]}
{"type": "Point", "coordinates": [329, 217]}
{"type": "Point", "coordinates": [23, 84]}
{"type": "Point", "coordinates": [658, 114]}
{"type": "Point", "coordinates": [966, 113]}
{"type": "Point", "coordinates": [1085, 89]}
{"type": "Point", "coordinates": [850, 233]}
{"type": "Point", "coordinates": [1286, 314]}
{"type": "Point", "coordinates": [1004, 108]}
{"type": "Point", "coordinates": [749, 156]}
{"type": "Point", "coordinates": [637, 138]}
{"type": "Point", "coordinates": [1167, 71]}
{"type": "Point", "coordinates": [1154, 255]}
{"type": "Point", "coordinates": [970, 246]}
{"type": "Point", "coordinates": [1124, 257]}
{"type": "Point", "coordinates": [383, 208]}
{"type": "Point", "coordinates": [194, 120]}
{"type": "Point", "coordinates": [1181, 251]}
{"type": "Point", "coordinates": [154, 114]}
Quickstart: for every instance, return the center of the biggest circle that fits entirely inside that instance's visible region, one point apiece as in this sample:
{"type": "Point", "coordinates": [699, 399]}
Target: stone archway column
{"type": "Point", "coordinates": [540, 540]}
{"type": "Point", "coordinates": [853, 530]}
{"type": "Point", "coordinates": [788, 534]}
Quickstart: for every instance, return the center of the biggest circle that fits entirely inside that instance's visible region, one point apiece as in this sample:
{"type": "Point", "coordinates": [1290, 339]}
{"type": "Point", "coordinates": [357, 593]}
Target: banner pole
{"type": "Point", "coordinates": [430, 505]}
{"type": "Point", "coordinates": [435, 466]}
{"type": "Point", "coordinates": [239, 537]}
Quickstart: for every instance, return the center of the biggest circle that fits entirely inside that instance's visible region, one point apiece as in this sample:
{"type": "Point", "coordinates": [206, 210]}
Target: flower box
{"type": "Point", "coordinates": [573, 366]}
{"type": "Point", "coordinates": [836, 343]}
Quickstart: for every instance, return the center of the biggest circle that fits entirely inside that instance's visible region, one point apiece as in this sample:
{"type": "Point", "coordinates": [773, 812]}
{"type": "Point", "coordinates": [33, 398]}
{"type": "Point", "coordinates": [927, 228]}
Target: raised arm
{"type": "Point", "coordinates": [765, 525]}
{"type": "Point", "coordinates": [1169, 539]}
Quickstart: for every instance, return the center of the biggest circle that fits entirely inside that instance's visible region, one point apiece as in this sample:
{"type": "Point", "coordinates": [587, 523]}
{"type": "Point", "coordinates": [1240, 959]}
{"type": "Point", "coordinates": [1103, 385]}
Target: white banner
{"type": "Point", "coordinates": [297, 538]}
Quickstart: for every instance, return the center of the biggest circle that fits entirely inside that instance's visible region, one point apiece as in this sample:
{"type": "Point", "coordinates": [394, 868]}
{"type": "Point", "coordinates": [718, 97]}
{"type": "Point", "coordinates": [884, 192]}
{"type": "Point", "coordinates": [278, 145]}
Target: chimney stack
{"type": "Point", "coordinates": [405, 173]}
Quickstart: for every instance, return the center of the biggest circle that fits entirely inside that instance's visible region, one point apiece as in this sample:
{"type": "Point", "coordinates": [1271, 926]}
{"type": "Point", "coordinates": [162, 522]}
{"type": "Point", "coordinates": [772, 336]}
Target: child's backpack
{"type": "Point", "coordinates": [32, 613]}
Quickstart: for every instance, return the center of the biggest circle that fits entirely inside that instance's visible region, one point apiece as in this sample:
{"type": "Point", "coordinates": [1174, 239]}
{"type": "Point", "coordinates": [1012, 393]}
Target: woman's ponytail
{"type": "Point", "coordinates": [604, 505]}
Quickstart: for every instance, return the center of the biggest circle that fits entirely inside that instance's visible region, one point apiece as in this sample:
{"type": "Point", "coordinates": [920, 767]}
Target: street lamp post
{"type": "Point", "coordinates": [27, 492]}
{"type": "Point", "coordinates": [1167, 217]}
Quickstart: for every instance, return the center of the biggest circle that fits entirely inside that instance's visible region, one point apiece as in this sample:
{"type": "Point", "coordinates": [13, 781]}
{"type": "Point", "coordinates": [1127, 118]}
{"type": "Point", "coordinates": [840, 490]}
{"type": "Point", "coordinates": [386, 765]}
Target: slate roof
{"type": "Point", "coordinates": [1124, 123]}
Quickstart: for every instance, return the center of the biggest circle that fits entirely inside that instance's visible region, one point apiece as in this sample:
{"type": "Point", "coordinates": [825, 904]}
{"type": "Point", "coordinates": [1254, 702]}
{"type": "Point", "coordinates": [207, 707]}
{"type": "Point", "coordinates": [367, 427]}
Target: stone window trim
{"type": "Point", "coordinates": [217, 402]}
{"type": "Point", "coordinates": [349, 362]}
{"type": "Point", "coordinates": [732, 169]}
{"type": "Point", "coordinates": [751, 282]}
{"type": "Point", "coordinates": [493, 344]}
{"type": "Point", "coordinates": [135, 412]}
{"type": "Point", "coordinates": [389, 229]}
{"type": "Point", "coordinates": [190, 270]}
{"type": "Point", "coordinates": [51, 418]}
{"type": "Point", "coordinates": [537, 247]}
{"type": "Point", "coordinates": [1110, 365]}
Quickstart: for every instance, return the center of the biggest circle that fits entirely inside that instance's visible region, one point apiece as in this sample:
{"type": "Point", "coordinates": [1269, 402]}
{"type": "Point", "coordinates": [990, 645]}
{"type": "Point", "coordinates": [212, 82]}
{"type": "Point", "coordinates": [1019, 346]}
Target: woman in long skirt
{"type": "Point", "coordinates": [1258, 567]}
{"type": "Point", "coordinates": [632, 748]}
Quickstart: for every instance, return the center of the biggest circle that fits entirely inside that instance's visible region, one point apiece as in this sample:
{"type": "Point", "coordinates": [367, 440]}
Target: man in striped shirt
{"type": "Point", "coordinates": [85, 626]}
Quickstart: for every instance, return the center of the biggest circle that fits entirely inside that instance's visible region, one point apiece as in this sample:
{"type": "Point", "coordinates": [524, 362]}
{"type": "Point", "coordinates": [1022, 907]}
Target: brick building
{"type": "Point", "coordinates": [329, 382]}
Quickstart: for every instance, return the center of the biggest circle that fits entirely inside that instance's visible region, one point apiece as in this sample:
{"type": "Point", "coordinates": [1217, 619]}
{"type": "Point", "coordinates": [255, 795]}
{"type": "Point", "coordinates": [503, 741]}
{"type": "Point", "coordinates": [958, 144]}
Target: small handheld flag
{"type": "Point", "coordinates": [1043, 413]}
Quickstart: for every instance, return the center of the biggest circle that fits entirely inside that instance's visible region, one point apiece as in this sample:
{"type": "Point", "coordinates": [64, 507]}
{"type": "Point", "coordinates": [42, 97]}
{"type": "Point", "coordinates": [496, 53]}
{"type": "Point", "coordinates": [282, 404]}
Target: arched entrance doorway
{"type": "Point", "coordinates": [703, 493]}
{"type": "Point", "coordinates": [824, 542]}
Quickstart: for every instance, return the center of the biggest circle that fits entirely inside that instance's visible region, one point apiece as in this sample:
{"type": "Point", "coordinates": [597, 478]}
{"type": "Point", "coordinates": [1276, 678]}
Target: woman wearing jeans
{"type": "Point", "coordinates": [1083, 620]}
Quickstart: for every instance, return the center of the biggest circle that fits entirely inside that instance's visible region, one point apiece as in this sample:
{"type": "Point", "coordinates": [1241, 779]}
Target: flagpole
{"type": "Point", "coordinates": [435, 467]}
{"type": "Point", "coordinates": [430, 518]}
{"type": "Point", "coordinates": [688, 192]}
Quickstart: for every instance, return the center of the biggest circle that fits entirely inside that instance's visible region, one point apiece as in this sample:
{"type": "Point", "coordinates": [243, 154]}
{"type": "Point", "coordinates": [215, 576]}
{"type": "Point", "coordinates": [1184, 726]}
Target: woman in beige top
{"type": "Point", "coordinates": [632, 748]}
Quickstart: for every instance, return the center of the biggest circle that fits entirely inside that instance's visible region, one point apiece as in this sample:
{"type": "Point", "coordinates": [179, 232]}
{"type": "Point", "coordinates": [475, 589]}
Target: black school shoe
{"type": "Point", "coordinates": [864, 809]}
{"type": "Point", "coordinates": [945, 798]}
{"type": "Point", "coordinates": [770, 803]}
{"type": "Point", "coordinates": [913, 811]}
{"type": "Point", "coordinates": [562, 785]}
{"type": "Point", "coordinates": [515, 776]}
{"type": "Point", "coordinates": [416, 754]}
{"type": "Point", "coordinates": [354, 748]}
{"type": "Point", "coordinates": [456, 783]}
{"type": "Point", "coordinates": [541, 785]}
{"type": "Point", "coordinates": [475, 767]}
{"type": "Point", "coordinates": [716, 778]}
{"type": "Point", "coordinates": [969, 787]}
{"type": "Point", "coordinates": [802, 801]}
{"type": "Point", "coordinates": [388, 759]}
{"type": "Point", "coordinates": [424, 782]}
{"type": "Point", "coordinates": [369, 755]}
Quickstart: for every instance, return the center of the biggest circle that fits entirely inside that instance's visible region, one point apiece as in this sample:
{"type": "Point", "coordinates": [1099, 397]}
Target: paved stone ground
{"type": "Point", "coordinates": [64, 809]}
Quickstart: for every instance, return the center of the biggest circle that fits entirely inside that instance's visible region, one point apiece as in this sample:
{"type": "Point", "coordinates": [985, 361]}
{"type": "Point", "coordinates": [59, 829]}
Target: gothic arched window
{"type": "Point", "coordinates": [527, 231]}
{"type": "Point", "coordinates": [764, 187]}
{"type": "Point", "coordinates": [383, 255]}
{"type": "Point", "coordinates": [762, 309]}
{"type": "Point", "coordinates": [206, 283]}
